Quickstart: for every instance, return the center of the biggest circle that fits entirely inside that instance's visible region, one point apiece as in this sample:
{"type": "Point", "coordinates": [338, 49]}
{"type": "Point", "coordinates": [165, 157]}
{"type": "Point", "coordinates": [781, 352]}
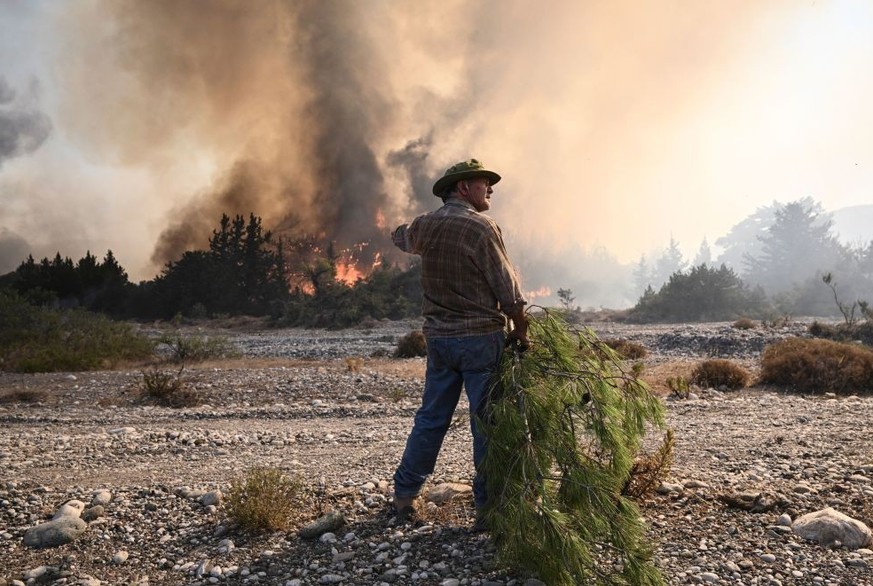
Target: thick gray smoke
{"type": "Point", "coordinates": [23, 128]}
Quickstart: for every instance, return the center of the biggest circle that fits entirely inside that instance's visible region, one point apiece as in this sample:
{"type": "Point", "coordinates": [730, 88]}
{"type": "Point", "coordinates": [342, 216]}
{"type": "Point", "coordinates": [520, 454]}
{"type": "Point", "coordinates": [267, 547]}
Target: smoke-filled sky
{"type": "Point", "coordinates": [132, 125]}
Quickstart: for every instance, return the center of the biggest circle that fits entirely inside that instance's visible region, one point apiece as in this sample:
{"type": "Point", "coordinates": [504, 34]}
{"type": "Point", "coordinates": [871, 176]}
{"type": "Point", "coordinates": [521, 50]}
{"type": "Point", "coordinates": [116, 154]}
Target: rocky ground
{"type": "Point", "coordinates": [331, 407]}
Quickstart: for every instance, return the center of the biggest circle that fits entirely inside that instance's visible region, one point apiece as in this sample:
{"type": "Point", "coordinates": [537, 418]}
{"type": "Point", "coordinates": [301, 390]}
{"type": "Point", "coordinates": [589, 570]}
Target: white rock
{"type": "Point", "coordinates": [71, 508]}
{"type": "Point", "coordinates": [101, 497]}
{"type": "Point", "coordinates": [120, 557]}
{"type": "Point", "coordinates": [828, 526]}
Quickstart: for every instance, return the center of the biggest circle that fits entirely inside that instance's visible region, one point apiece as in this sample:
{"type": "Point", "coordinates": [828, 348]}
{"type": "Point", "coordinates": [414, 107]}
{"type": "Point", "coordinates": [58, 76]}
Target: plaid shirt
{"type": "Point", "coordinates": [465, 272]}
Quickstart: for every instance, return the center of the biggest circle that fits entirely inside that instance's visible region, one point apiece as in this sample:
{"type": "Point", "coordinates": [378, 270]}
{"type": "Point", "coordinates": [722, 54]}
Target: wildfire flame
{"type": "Point", "coordinates": [348, 273]}
{"type": "Point", "coordinates": [538, 293]}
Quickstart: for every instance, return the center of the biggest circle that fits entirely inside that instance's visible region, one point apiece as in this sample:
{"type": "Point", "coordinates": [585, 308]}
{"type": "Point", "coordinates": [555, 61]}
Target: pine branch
{"type": "Point", "coordinates": [563, 433]}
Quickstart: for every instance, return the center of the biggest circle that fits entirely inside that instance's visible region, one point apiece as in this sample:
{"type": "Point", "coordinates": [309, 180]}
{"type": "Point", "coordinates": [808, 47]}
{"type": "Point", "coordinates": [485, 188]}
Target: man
{"type": "Point", "coordinates": [470, 288]}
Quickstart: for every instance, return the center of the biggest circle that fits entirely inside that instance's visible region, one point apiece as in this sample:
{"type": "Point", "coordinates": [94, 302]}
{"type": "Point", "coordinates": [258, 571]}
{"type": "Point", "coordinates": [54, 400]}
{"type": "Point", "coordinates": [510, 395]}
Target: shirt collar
{"type": "Point", "coordinates": [457, 201]}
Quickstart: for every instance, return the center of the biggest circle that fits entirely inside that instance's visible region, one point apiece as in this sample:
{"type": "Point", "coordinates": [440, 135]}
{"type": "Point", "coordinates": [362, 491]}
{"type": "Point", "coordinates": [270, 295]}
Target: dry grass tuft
{"type": "Point", "coordinates": [744, 323]}
{"type": "Point", "coordinates": [22, 396]}
{"type": "Point", "coordinates": [627, 350]}
{"type": "Point", "coordinates": [818, 366]}
{"type": "Point", "coordinates": [266, 500]}
{"type": "Point", "coordinates": [720, 373]}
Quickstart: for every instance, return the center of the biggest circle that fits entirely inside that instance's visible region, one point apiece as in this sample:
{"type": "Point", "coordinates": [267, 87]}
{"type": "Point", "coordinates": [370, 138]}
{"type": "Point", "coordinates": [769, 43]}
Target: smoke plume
{"type": "Point", "coordinates": [615, 125]}
{"type": "Point", "coordinates": [23, 128]}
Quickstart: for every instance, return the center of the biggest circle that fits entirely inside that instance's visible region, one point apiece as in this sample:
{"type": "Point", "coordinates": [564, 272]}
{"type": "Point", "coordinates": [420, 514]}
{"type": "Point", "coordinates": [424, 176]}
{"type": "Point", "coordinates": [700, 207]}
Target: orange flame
{"type": "Point", "coordinates": [538, 293]}
{"type": "Point", "coordinates": [348, 273]}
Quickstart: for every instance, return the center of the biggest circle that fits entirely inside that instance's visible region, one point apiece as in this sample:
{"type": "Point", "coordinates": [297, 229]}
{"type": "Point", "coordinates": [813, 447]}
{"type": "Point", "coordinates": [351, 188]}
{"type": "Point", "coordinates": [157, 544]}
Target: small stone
{"type": "Point", "coordinates": [709, 577]}
{"type": "Point", "coordinates": [443, 493]}
{"type": "Point", "coordinates": [768, 557]}
{"type": "Point", "coordinates": [784, 520]}
{"type": "Point", "coordinates": [211, 498]}
{"type": "Point", "coordinates": [101, 497]}
{"type": "Point", "coordinates": [329, 522]}
{"type": "Point", "coordinates": [120, 557]}
{"type": "Point", "coordinates": [93, 513]}
{"type": "Point", "coordinates": [72, 508]}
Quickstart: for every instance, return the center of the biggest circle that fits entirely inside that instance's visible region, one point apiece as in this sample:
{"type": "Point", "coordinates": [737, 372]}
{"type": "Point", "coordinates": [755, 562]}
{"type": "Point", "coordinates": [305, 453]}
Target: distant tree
{"type": "Point", "coordinates": [704, 254]}
{"type": "Point", "coordinates": [671, 261]}
{"type": "Point", "coordinates": [243, 272]}
{"type": "Point", "coordinates": [641, 275]}
{"type": "Point", "coordinates": [743, 240]}
{"type": "Point", "coordinates": [796, 247]}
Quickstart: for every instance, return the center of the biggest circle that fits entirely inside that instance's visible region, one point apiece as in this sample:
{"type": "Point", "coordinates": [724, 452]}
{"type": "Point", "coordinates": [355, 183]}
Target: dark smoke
{"type": "Point", "coordinates": [342, 193]}
{"type": "Point", "coordinates": [412, 160]}
{"type": "Point", "coordinates": [13, 250]}
{"type": "Point", "coordinates": [22, 127]}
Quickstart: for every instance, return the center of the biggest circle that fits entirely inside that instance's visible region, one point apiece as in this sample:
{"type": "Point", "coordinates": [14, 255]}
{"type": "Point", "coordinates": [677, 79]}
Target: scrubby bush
{"type": "Point", "coordinates": [845, 332]}
{"type": "Point", "coordinates": [197, 348]}
{"type": "Point", "coordinates": [818, 366]}
{"type": "Point", "coordinates": [626, 349]}
{"type": "Point", "coordinates": [719, 373]}
{"type": "Point", "coordinates": [38, 339]}
{"type": "Point", "coordinates": [411, 345]}
{"type": "Point", "coordinates": [265, 500]}
{"type": "Point", "coordinates": [744, 323]}
{"type": "Point", "coordinates": [168, 389]}
{"type": "Point", "coordinates": [21, 396]}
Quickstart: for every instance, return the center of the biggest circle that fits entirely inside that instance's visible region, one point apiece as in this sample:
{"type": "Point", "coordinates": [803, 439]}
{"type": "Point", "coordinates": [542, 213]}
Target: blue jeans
{"type": "Point", "coordinates": [471, 362]}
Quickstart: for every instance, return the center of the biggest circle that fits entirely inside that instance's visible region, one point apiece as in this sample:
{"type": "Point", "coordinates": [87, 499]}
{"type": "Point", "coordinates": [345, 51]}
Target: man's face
{"type": "Point", "coordinates": [478, 192]}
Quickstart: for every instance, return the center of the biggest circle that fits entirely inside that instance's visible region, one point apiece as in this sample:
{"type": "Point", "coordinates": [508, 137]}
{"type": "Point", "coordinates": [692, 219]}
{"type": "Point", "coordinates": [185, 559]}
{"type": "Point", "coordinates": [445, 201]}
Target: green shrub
{"type": "Point", "coordinates": [818, 366]}
{"type": "Point", "coordinates": [197, 348]}
{"type": "Point", "coordinates": [703, 294]}
{"type": "Point", "coordinates": [719, 373]}
{"type": "Point", "coordinates": [411, 345]}
{"type": "Point", "coordinates": [626, 349]}
{"type": "Point", "coordinates": [265, 500]}
{"type": "Point", "coordinates": [38, 339]}
{"type": "Point", "coordinates": [168, 389]}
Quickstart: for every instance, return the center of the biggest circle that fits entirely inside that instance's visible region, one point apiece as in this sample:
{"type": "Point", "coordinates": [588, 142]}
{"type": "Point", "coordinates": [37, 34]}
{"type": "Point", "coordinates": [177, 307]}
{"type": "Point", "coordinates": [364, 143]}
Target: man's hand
{"type": "Point", "coordinates": [517, 337]}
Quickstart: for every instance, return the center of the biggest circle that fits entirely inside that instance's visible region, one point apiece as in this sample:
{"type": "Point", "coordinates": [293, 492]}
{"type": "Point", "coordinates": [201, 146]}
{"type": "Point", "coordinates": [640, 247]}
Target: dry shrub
{"type": "Point", "coordinates": [818, 366]}
{"type": "Point", "coordinates": [650, 470]}
{"type": "Point", "coordinates": [168, 389]}
{"type": "Point", "coordinates": [411, 345]}
{"type": "Point", "coordinates": [744, 323]}
{"type": "Point", "coordinates": [626, 349]}
{"type": "Point", "coordinates": [22, 396]}
{"type": "Point", "coordinates": [456, 512]}
{"type": "Point", "coordinates": [266, 500]}
{"type": "Point", "coordinates": [720, 373]}
{"type": "Point", "coordinates": [679, 387]}
{"type": "Point", "coordinates": [862, 332]}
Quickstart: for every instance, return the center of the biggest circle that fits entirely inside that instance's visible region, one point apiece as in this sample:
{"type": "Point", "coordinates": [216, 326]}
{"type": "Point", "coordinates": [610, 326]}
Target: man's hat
{"type": "Point", "coordinates": [463, 170]}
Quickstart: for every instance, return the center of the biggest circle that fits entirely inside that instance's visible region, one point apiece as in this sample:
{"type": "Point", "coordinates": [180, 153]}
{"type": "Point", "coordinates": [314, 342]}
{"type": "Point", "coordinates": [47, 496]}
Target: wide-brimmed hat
{"type": "Point", "coordinates": [463, 170]}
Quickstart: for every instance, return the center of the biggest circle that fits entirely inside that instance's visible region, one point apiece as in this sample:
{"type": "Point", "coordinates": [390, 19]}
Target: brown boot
{"type": "Point", "coordinates": [404, 507]}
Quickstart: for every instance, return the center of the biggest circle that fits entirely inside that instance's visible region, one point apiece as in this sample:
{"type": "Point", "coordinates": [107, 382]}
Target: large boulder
{"type": "Point", "coordinates": [829, 526]}
{"type": "Point", "coordinates": [55, 532]}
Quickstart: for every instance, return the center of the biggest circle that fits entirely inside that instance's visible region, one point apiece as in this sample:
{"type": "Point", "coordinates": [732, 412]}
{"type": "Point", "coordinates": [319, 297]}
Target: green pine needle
{"type": "Point", "coordinates": [563, 431]}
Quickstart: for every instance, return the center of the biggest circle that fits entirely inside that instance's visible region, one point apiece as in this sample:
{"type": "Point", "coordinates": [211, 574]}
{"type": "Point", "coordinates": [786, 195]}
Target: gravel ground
{"type": "Point", "coordinates": [321, 405]}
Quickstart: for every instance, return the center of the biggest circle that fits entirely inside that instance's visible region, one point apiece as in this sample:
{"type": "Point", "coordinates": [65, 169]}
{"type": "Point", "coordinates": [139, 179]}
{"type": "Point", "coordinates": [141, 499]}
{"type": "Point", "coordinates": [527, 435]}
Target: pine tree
{"type": "Point", "coordinates": [563, 435]}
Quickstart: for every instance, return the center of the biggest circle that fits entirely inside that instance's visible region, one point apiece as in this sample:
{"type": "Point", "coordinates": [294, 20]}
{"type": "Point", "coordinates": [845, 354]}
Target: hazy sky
{"type": "Point", "coordinates": [132, 124]}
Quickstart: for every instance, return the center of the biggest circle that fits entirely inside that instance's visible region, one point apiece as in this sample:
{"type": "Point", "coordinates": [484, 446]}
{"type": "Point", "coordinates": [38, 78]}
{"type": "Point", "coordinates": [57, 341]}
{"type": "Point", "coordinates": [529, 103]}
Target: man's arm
{"type": "Point", "coordinates": [400, 237]}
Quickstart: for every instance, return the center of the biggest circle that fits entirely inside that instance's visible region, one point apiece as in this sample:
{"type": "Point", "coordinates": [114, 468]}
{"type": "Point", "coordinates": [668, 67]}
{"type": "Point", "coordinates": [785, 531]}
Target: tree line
{"type": "Point", "coordinates": [783, 259]}
{"type": "Point", "coordinates": [244, 271]}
